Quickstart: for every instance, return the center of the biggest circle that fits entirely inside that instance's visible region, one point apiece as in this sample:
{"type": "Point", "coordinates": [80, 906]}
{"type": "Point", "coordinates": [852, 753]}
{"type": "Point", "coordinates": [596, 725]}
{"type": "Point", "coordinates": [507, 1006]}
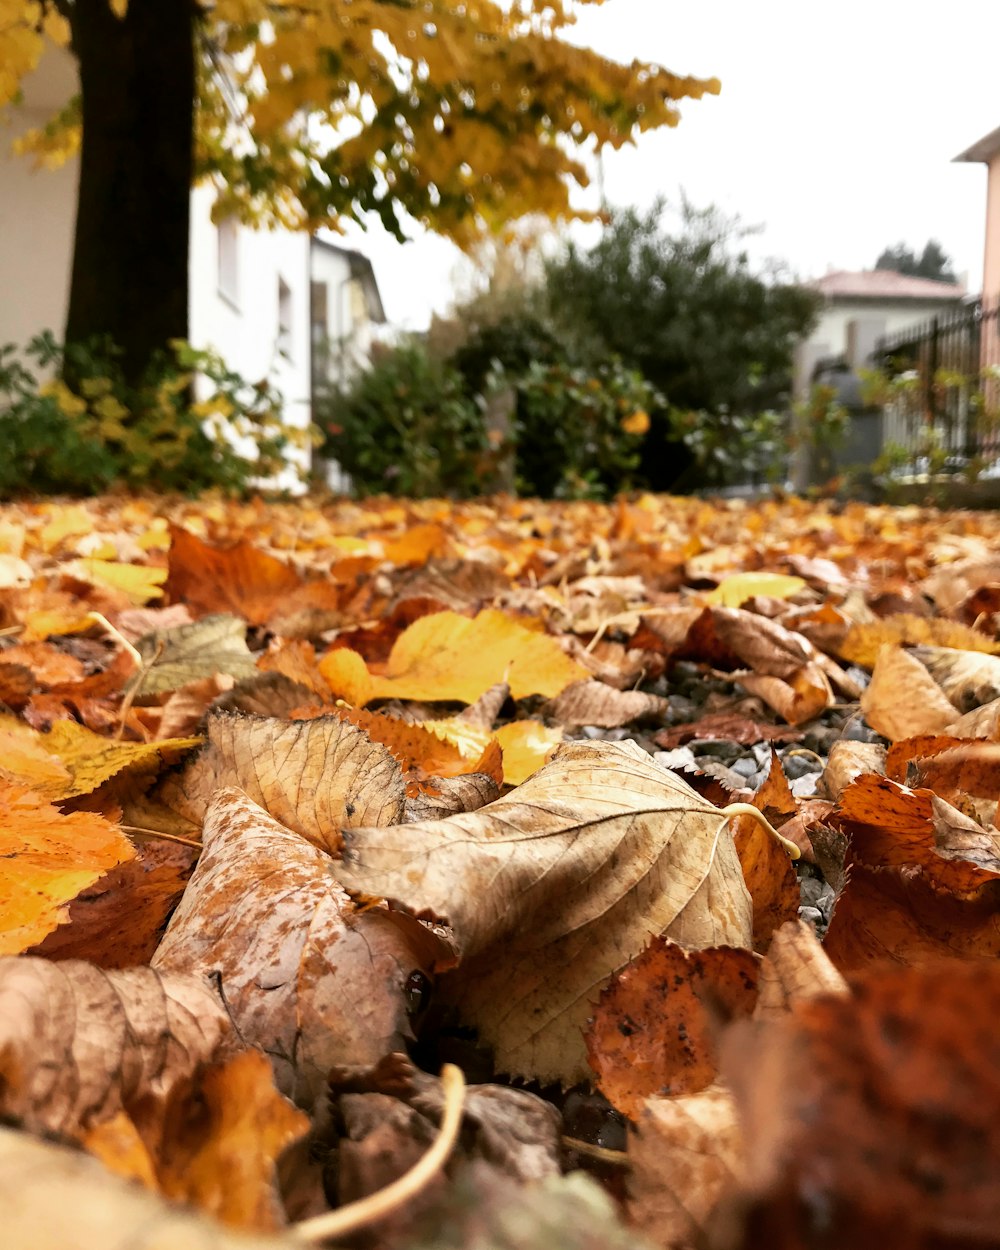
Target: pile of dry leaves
{"type": "Point", "coordinates": [301, 806]}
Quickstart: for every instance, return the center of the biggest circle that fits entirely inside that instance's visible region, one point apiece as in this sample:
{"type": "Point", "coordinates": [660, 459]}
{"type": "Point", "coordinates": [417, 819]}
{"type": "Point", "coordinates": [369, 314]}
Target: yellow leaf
{"type": "Point", "coordinates": [864, 642]}
{"type": "Point", "coordinates": [526, 744]}
{"type": "Point", "coordinates": [445, 657]}
{"type": "Point", "coordinates": [66, 522]}
{"type": "Point", "coordinates": [347, 676]}
{"type": "Point", "coordinates": [46, 859]}
{"type": "Point", "coordinates": [49, 624]}
{"type": "Point", "coordinates": [732, 591]}
{"type": "Point", "coordinates": [140, 582]}
{"type": "Point", "coordinates": [70, 760]}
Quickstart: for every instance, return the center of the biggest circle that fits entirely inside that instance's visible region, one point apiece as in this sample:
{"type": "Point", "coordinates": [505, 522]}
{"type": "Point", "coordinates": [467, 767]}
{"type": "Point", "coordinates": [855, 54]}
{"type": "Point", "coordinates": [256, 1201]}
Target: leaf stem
{"type": "Point", "coordinates": [747, 809]}
{"type": "Point", "coordinates": [159, 833]}
{"type": "Point", "coordinates": [367, 1210]}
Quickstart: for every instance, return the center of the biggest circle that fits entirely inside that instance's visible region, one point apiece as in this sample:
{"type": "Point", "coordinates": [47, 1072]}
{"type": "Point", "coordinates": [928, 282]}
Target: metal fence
{"type": "Point", "coordinates": [938, 384]}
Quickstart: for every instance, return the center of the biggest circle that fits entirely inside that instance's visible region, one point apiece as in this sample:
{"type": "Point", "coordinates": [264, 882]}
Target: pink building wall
{"type": "Point", "coordinates": [991, 258]}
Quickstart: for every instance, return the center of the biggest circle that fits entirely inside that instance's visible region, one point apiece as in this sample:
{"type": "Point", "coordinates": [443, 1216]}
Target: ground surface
{"type": "Point", "coordinates": [342, 781]}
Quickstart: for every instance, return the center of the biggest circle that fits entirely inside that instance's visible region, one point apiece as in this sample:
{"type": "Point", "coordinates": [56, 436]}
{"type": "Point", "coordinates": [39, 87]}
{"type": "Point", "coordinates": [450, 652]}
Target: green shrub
{"type": "Point", "coordinates": [578, 431]}
{"type": "Point", "coordinates": [85, 430]}
{"type": "Point", "coordinates": [406, 426]}
{"type": "Point", "coordinates": [733, 448]}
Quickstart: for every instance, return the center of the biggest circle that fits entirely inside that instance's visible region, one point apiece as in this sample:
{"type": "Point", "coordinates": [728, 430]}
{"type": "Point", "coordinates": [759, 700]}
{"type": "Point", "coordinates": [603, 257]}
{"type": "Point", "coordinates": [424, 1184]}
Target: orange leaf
{"type": "Point", "coordinates": [48, 858]}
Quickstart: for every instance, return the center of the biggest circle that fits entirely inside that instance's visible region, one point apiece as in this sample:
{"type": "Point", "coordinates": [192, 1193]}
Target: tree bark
{"type": "Point", "coordinates": [130, 257]}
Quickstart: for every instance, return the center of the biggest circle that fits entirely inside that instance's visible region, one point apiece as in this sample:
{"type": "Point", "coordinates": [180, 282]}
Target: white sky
{"type": "Point", "coordinates": [835, 130]}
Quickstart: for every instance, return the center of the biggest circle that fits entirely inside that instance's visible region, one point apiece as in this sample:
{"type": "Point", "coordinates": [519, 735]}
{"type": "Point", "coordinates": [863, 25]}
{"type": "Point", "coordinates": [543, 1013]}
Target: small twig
{"type": "Point", "coordinates": [159, 833]}
{"type": "Point", "coordinates": [133, 691]}
{"type": "Point", "coordinates": [110, 630]}
{"type": "Point", "coordinates": [747, 809]}
{"type": "Point", "coordinates": [617, 1158]}
{"type": "Point", "coordinates": [806, 751]}
{"type": "Point", "coordinates": [11, 631]}
{"type": "Point", "coordinates": [355, 1215]}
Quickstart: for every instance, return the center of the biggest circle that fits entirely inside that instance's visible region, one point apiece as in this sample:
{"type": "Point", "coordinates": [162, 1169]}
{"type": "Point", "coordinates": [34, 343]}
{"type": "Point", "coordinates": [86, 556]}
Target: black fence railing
{"type": "Point", "coordinates": [938, 383]}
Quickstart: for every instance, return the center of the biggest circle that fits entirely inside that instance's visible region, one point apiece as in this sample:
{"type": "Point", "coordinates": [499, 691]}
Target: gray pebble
{"type": "Point", "coordinates": [747, 766]}
{"type": "Point", "coordinates": [796, 766]}
{"type": "Point", "coordinates": [812, 914]}
{"type": "Point", "coordinates": [719, 747]}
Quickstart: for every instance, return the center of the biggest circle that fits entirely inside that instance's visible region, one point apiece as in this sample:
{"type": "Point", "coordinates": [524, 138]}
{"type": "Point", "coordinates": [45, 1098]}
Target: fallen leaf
{"type": "Point", "coordinates": [769, 873]}
{"type": "Point", "coordinates": [688, 1154]}
{"type": "Point", "coordinates": [892, 826]}
{"type": "Point", "coordinates": [312, 776]}
{"type": "Point", "coordinates": [56, 1197]}
{"type": "Point", "coordinates": [71, 760]}
{"type": "Point", "coordinates": [16, 684]}
{"type": "Point", "coordinates": [968, 678]}
{"type": "Point", "coordinates": [187, 653]}
{"type": "Point", "coordinates": [306, 977]}
{"type": "Point", "coordinates": [48, 859]}
{"type": "Point", "coordinates": [78, 1045]}
{"type": "Point", "coordinates": [903, 699]}
{"type": "Point", "coordinates": [51, 665]}
{"type": "Point", "coordinates": [651, 1031]}
{"type": "Point", "coordinates": [847, 761]}
{"type": "Point", "coordinates": [864, 642]}
{"type": "Point", "coordinates": [799, 698]}
{"type": "Point", "coordinates": [221, 1154]}
{"type": "Point", "coordinates": [118, 921]}
{"type": "Point", "coordinates": [525, 744]}
{"type": "Point", "coordinates": [899, 916]}
{"type": "Point", "coordinates": [733, 591]}
{"type": "Point", "coordinates": [453, 794]}
{"type": "Point", "coordinates": [796, 967]}
{"type": "Point", "coordinates": [242, 580]}
{"type": "Point", "coordinates": [447, 657]}
{"type": "Point", "coordinates": [139, 582]}
{"type": "Point", "coordinates": [727, 726]}
{"type": "Point", "coordinates": [624, 848]}
{"type": "Point", "coordinates": [483, 1207]}
{"type": "Point", "coordinates": [875, 1110]}
{"type": "Point", "coordinates": [593, 703]}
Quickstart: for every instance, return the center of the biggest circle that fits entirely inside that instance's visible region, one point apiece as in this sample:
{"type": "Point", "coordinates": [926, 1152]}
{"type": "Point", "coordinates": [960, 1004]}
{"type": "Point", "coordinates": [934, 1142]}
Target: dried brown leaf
{"type": "Point", "coordinates": [310, 979]}
{"type": "Point", "coordinates": [314, 777]}
{"type": "Point", "coordinates": [652, 1028]}
{"type": "Point", "coordinates": [903, 699]}
{"type": "Point", "coordinates": [565, 879]}
{"type": "Point", "coordinates": [54, 1198]}
{"type": "Point", "coordinates": [78, 1044]}
{"type": "Point", "coordinates": [593, 703]}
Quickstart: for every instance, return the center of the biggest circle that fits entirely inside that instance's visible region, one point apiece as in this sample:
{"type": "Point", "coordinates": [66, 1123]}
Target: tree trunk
{"type": "Point", "coordinates": [130, 258]}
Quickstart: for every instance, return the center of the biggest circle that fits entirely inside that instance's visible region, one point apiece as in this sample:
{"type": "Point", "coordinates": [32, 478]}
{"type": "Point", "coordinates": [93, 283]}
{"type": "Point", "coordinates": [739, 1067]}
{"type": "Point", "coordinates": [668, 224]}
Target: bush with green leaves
{"type": "Point", "coordinates": [678, 297]}
{"type": "Point", "coordinates": [578, 431]}
{"type": "Point", "coordinates": [84, 429]}
{"type": "Point", "coordinates": [406, 426]}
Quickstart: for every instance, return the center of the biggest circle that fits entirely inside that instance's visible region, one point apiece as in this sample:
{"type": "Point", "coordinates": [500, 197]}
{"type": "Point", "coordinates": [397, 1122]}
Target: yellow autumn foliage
{"type": "Point", "coordinates": [468, 116]}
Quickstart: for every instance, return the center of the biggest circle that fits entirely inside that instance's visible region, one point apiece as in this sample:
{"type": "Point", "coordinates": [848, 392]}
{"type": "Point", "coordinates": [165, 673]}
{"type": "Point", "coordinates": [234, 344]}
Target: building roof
{"type": "Point", "coordinates": [983, 149]}
{"type": "Point", "coordinates": [361, 268]}
{"type": "Point", "coordinates": [885, 284]}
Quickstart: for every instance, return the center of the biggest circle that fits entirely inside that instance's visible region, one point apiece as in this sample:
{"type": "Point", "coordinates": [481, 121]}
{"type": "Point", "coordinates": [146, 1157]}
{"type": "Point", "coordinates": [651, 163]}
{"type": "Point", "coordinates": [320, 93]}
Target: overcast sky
{"type": "Point", "coordinates": [835, 130]}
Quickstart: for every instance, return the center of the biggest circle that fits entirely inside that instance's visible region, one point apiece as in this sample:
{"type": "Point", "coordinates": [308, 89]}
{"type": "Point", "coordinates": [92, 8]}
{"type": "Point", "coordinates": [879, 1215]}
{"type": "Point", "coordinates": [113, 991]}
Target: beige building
{"type": "Point", "coordinates": [860, 308]}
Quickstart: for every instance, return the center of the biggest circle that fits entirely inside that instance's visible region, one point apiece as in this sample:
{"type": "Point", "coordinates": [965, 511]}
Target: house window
{"type": "Point", "coordinates": [319, 314]}
{"type": "Point", "coordinates": [228, 242]}
{"type": "Point", "coordinates": [284, 318]}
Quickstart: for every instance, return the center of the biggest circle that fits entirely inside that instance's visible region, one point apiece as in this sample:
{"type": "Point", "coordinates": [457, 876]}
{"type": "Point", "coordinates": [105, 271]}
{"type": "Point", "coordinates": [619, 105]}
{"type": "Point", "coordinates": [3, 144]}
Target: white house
{"type": "Point", "coordinates": [269, 301]}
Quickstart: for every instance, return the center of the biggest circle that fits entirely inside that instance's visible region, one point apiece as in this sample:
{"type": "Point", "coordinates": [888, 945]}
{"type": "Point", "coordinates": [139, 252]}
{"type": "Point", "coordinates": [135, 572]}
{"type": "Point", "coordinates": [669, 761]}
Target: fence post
{"type": "Point", "coordinates": [932, 405]}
